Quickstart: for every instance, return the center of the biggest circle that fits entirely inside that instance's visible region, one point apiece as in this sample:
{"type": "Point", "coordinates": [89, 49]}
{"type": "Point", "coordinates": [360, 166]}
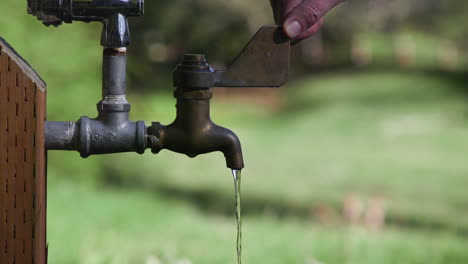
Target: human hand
{"type": "Point", "coordinates": [301, 18]}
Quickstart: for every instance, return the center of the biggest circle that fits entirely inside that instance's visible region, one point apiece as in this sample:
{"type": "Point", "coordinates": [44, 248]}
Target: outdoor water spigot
{"type": "Point", "coordinates": [112, 13]}
{"type": "Point", "coordinates": [193, 133]}
{"type": "Point", "coordinates": [264, 62]}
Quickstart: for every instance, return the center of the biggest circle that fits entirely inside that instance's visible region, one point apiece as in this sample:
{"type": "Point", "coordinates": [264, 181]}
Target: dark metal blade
{"type": "Point", "coordinates": [264, 62]}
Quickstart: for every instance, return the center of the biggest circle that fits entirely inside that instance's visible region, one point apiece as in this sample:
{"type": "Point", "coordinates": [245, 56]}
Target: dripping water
{"type": "Point", "coordinates": [237, 189]}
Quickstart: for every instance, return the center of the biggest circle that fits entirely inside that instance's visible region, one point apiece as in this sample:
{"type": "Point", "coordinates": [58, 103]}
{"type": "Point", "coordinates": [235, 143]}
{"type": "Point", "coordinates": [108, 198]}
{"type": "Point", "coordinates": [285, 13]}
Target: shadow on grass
{"type": "Point", "coordinates": [214, 202]}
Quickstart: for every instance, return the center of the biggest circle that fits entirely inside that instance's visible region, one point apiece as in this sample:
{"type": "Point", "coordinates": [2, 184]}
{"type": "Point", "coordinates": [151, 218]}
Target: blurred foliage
{"type": "Point", "coordinates": [171, 28]}
{"type": "Point", "coordinates": [419, 30]}
{"type": "Point", "coordinates": [373, 133]}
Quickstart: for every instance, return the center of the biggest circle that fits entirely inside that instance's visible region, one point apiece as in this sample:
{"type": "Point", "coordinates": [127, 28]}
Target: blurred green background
{"type": "Point", "coordinates": [360, 159]}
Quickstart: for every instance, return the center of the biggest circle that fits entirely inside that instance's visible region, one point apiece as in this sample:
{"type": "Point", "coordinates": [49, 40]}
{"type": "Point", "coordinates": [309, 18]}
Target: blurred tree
{"type": "Point", "coordinates": [220, 28]}
{"type": "Point", "coordinates": [171, 28]}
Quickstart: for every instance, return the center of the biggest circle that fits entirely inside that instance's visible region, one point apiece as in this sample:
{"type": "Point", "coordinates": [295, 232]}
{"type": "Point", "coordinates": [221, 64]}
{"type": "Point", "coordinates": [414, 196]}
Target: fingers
{"type": "Point", "coordinates": [288, 6]}
{"type": "Point", "coordinates": [281, 8]}
{"type": "Point", "coordinates": [301, 20]}
{"type": "Point", "coordinates": [312, 30]}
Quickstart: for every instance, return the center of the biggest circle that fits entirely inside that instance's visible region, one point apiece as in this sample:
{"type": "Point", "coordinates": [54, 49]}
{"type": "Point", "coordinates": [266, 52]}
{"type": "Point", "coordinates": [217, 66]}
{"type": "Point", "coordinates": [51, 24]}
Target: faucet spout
{"type": "Point", "coordinates": [193, 132]}
{"type": "Point", "coordinates": [230, 145]}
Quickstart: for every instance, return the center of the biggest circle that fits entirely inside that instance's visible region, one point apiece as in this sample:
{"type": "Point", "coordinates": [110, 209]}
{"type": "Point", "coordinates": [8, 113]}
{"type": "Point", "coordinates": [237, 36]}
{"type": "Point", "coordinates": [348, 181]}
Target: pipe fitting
{"type": "Point", "coordinates": [55, 12]}
{"type": "Point", "coordinates": [112, 13]}
{"type": "Point", "coordinates": [111, 131]}
{"type": "Point", "coordinates": [101, 137]}
{"type": "Point", "coordinates": [94, 136]}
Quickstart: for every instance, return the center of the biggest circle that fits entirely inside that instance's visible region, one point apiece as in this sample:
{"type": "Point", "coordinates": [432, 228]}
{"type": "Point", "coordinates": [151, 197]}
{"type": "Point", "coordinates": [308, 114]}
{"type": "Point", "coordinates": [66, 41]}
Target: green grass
{"type": "Point", "coordinates": [101, 225]}
{"type": "Point", "coordinates": [400, 136]}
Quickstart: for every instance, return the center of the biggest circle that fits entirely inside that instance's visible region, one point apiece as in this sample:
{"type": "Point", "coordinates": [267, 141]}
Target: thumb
{"type": "Point", "coordinates": [307, 14]}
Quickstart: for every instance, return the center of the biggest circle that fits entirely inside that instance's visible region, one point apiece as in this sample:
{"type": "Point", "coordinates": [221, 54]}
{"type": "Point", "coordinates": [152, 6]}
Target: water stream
{"type": "Point", "coordinates": [237, 189]}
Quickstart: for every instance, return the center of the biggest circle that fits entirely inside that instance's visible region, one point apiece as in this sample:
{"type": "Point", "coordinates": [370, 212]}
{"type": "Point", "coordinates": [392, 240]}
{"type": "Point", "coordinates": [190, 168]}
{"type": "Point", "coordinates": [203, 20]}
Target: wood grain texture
{"type": "Point", "coordinates": [22, 161]}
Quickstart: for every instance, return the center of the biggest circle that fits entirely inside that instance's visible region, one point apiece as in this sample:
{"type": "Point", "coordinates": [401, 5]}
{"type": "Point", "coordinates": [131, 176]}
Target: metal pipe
{"type": "Point", "coordinates": [61, 135]}
{"type": "Point", "coordinates": [112, 13]}
{"type": "Point", "coordinates": [111, 131]}
{"type": "Point", "coordinates": [102, 8]}
{"type": "Point", "coordinates": [114, 72]}
{"type": "Point", "coordinates": [54, 12]}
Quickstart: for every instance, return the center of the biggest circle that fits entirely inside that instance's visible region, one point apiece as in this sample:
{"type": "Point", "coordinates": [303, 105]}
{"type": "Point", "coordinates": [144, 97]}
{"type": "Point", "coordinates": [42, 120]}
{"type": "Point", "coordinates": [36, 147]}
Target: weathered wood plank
{"type": "Point", "coordinates": [22, 161]}
{"type": "Point", "coordinates": [3, 160]}
{"type": "Point", "coordinates": [40, 252]}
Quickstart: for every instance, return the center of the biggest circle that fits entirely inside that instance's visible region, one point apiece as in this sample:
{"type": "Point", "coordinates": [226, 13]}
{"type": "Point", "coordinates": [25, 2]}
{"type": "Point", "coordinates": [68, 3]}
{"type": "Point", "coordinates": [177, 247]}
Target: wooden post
{"type": "Point", "coordinates": [22, 161]}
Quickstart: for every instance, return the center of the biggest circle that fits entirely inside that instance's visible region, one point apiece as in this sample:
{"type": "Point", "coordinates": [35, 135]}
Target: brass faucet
{"type": "Point", "coordinates": [192, 132]}
{"type": "Point", "coordinates": [263, 63]}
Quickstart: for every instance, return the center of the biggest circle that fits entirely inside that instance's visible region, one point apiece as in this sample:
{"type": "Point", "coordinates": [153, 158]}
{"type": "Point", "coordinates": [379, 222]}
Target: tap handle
{"type": "Point", "coordinates": [264, 62]}
{"type": "Point", "coordinates": [116, 32]}
{"type": "Point", "coordinates": [112, 13]}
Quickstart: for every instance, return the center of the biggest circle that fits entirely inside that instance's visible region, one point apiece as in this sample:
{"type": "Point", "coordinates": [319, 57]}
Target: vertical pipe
{"type": "Point", "coordinates": [114, 72]}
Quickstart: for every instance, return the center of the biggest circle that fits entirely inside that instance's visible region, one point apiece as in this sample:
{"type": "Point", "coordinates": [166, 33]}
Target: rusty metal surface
{"type": "Point", "coordinates": [22, 161]}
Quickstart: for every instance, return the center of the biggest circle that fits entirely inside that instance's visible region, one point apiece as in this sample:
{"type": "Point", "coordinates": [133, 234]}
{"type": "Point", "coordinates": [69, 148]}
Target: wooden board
{"type": "Point", "coordinates": [22, 161]}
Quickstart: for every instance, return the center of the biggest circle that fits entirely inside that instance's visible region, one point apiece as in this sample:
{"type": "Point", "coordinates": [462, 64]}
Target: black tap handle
{"type": "Point", "coordinates": [112, 13]}
{"type": "Point", "coordinates": [116, 32]}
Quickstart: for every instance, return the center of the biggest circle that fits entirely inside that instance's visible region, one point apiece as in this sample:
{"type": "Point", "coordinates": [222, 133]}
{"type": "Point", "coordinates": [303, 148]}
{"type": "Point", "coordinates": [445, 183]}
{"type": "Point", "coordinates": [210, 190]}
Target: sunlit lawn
{"type": "Point", "coordinates": [401, 138]}
{"type": "Point", "coordinates": [99, 225]}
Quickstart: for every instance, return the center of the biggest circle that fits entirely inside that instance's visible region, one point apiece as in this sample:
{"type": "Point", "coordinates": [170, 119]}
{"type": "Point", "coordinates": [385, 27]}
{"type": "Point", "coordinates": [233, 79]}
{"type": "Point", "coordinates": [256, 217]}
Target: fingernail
{"type": "Point", "coordinates": [293, 29]}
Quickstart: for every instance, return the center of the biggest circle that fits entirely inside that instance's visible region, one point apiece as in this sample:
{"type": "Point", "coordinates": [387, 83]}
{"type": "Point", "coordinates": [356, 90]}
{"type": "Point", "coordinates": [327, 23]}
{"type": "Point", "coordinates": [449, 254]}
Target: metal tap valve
{"type": "Point", "coordinates": [264, 62]}
{"type": "Point", "coordinates": [112, 13]}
